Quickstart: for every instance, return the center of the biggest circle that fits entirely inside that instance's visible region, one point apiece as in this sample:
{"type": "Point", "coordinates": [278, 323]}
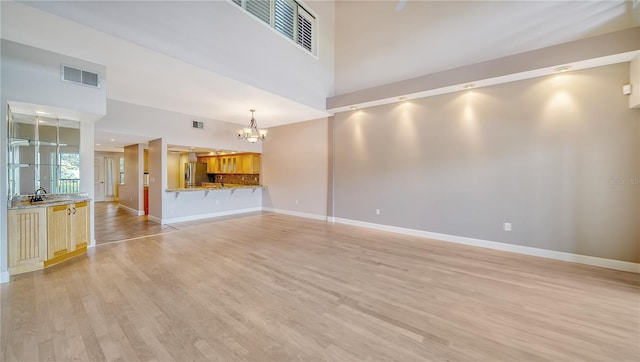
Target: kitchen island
{"type": "Point", "coordinates": [208, 201]}
{"type": "Point", "coordinates": [213, 186]}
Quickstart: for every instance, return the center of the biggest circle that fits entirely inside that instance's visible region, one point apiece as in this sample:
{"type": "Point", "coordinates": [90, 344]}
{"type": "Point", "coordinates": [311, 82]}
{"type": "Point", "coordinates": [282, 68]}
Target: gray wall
{"type": "Point", "coordinates": [295, 167]}
{"type": "Point", "coordinates": [554, 156]}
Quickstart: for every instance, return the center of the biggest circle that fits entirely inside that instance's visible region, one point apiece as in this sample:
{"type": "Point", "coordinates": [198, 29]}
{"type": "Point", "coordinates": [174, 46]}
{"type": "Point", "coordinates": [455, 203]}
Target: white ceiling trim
{"type": "Point", "coordinates": [479, 83]}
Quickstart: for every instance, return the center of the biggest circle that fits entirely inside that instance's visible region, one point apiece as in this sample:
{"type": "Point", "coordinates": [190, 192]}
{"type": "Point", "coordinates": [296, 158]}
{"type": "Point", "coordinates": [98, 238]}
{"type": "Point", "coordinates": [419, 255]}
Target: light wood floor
{"type": "Point", "coordinates": [269, 287]}
{"type": "Point", "coordinates": [114, 223]}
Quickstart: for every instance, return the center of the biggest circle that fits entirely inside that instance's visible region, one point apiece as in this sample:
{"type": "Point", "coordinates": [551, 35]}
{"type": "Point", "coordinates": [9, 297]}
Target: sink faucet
{"type": "Point", "coordinates": [36, 196]}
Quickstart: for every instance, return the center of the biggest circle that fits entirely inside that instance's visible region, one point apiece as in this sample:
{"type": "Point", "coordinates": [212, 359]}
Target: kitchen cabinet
{"type": "Point", "coordinates": [67, 231]}
{"type": "Point", "coordinates": [251, 163]}
{"type": "Point", "coordinates": [242, 163]}
{"type": "Point", "coordinates": [43, 236]}
{"type": "Point", "coordinates": [27, 242]}
{"type": "Point", "coordinates": [212, 165]}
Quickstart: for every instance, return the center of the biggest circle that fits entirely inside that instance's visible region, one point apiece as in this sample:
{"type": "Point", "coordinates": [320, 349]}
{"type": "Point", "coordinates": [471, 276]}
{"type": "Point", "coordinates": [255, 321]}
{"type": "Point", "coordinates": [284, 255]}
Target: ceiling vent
{"type": "Point", "coordinates": [197, 124]}
{"type": "Point", "coordinates": [80, 76]}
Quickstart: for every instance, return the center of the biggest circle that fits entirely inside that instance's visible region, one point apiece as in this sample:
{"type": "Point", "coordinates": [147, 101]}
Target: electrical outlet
{"type": "Point", "coordinates": [217, 202]}
{"type": "Point", "coordinates": [377, 211]}
{"type": "Point", "coordinates": [507, 226]}
{"type": "Point", "coordinates": [296, 202]}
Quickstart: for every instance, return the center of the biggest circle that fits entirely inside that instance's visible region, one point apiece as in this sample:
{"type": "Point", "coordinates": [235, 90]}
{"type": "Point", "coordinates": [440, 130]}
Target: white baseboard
{"type": "Point", "coordinates": [155, 219]}
{"type": "Point", "coordinates": [132, 210]}
{"type": "Point", "coordinates": [207, 216]}
{"type": "Point", "coordinates": [296, 213]}
{"type": "Point", "coordinates": [4, 277]}
{"type": "Point", "coordinates": [527, 250]}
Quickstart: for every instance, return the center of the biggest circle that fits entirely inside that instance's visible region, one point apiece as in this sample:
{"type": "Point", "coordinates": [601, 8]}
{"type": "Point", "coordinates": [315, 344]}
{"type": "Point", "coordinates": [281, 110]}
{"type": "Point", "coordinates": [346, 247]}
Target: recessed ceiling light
{"type": "Point", "coordinates": [353, 108]}
{"type": "Point", "coordinates": [113, 139]}
{"type": "Point", "coordinates": [562, 69]}
{"type": "Point", "coordinates": [41, 112]}
{"type": "Point", "coordinates": [97, 144]}
{"type": "Point", "coordinates": [468, 86]}
{"type": "Point", "coordinates": [402, 99]}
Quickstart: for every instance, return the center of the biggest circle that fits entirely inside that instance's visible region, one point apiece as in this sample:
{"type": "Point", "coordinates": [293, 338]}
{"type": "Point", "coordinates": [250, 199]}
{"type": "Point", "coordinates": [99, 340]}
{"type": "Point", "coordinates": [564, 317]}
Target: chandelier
{"type": "Point", "coordinates": [252, 133]}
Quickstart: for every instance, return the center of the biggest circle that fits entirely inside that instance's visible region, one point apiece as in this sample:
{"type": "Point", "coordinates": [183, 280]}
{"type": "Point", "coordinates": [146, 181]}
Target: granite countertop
{"type": "Point", "coordinates": [214, 187]}
{"type": "Point", "coordinates": [22, 201]}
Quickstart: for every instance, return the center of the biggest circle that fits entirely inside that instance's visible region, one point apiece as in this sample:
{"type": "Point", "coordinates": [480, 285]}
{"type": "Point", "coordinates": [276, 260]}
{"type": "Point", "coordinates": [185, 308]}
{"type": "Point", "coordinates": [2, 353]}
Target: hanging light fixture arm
{"type": "Point", "coordinates": [252, 133]}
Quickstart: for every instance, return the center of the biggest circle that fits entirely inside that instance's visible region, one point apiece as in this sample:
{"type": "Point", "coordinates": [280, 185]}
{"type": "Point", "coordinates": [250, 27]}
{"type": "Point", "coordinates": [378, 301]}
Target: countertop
{"type": "Point", "coordinates": [22, 201]}
{"type": "Point", "coordinates": [214, 187]}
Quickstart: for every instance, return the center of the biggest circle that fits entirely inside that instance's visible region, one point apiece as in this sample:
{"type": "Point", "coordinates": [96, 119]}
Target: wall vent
{"type": "Point", "coordinates": [197, 124]}
{"type": "Point", "coordinates": [79, 76]}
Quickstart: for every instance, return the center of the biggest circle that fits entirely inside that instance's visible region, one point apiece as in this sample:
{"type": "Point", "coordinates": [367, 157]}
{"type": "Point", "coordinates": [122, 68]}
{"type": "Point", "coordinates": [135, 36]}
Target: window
{"type": "Point", "coordinates": [69, 181]}
{"type": "Point", "coordinates": [286, 17]}
{"type": "Point", "coordinates": [121, 170]}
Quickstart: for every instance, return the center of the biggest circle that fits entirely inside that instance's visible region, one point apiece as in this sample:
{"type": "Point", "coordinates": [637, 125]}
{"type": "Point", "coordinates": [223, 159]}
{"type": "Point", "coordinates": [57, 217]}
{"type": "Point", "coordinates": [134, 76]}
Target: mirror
{"type": "Point", "coordinates": [42, 152]}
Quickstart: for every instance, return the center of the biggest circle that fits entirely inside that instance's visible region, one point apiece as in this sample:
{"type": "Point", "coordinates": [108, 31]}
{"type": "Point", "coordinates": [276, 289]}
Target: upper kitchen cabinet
{"type": "Point", "coordinates": [42, 152]}
{"type": "Point", "coordinates": [239, 163]}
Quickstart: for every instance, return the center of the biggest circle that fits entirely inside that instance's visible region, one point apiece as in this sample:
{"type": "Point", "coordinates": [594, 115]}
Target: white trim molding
{"type": "Point", "coordinates": [520, 249]}
{"type": "Point", "coordinates": [132, 210]}
{"type": "Point", "coordinates": [296, 213]}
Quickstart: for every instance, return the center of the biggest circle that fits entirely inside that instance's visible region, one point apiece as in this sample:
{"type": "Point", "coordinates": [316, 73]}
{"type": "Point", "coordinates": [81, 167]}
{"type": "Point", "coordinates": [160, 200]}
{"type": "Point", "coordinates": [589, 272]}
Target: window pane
{"type": "Point", "coordinates": [284, 17]}
{"type": "Point", "coordinates": [260, 8]}
{"type": "Point", "coordinates": [69, 181]}
{"type": "Point", "coordinates": [305, 29]}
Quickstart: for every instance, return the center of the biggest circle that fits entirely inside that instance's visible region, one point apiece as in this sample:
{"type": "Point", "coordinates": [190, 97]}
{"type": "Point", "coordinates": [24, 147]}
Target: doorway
{"type": "Point", "coordinates": [98, 184]}
{"type": "Point", "coordinates": [105, 177]}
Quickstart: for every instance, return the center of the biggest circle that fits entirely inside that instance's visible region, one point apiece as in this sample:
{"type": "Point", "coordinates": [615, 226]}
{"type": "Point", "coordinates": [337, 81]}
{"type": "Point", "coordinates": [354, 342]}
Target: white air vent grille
{"type": "Point", "coordinates": [197, 124]}
{"type": "Point", "coordinates": [80, 76]}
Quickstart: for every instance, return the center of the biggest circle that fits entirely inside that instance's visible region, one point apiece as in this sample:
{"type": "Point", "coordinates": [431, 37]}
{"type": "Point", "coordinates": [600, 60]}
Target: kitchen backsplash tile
{"type": "Point", "coordinates": [238, 179]}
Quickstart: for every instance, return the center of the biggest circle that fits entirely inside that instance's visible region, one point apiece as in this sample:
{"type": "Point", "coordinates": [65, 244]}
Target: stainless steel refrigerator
{"type": "Point", "coordinates": [195, 174]}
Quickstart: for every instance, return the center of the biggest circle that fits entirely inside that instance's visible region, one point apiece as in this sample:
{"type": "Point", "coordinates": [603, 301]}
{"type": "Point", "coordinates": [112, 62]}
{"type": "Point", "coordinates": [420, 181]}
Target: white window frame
{"type": "Point", "coordinates": [315, 25]}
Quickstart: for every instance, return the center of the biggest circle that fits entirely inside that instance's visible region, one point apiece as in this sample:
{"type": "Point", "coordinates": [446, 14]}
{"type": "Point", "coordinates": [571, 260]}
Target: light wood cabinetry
{"type": "Point", "coordinates": [58, 233]}
{"type": "Point", "coordinates": [80, 230]}
{"type": "Point", "coordinates": [43, 236]}
{"type": "Point", "coordinates": [27, 234]}
{"type": "Point", "coordinates": [251, 163]}
{"type": "Point", "coordinates": [212, 164]}
{"type": "Point", "coordinates": [67, 231]}
{"type": "Point", "coordinates": [243, 163]}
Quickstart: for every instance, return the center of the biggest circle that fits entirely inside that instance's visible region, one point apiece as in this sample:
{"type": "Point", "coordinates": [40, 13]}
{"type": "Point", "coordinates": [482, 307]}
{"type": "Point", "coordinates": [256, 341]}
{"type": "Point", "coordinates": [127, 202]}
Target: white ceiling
{"type": "Point", "coordinates": [136, 74]}
{"type": "Point", "coordinates": [375, 45]}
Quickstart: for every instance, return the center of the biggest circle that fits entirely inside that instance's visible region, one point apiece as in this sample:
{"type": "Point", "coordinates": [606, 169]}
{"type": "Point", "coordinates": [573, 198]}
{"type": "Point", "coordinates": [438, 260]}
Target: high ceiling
{"type": "Point", "coordinates": [376, 45]}
{"type": "Point", "coordinates": [153, 62]}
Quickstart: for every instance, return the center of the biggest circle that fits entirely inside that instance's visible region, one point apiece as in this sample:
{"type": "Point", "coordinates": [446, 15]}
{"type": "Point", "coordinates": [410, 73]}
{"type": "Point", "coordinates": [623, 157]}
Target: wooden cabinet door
{"type": "Point", "coordinates": [255, 164]}
{"type": "Point", "coordinates": [212, 165]}
{"type": "Point", "coordinates": [27, 232]}
{"type": "Point", "coordinates": [58, 231]}
{"type": "Point", "coordinates": [79, 221]}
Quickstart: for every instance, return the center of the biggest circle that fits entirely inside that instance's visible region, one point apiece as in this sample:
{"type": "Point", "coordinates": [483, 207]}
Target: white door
{"type": "Point", "coordinates": [98, 172]}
